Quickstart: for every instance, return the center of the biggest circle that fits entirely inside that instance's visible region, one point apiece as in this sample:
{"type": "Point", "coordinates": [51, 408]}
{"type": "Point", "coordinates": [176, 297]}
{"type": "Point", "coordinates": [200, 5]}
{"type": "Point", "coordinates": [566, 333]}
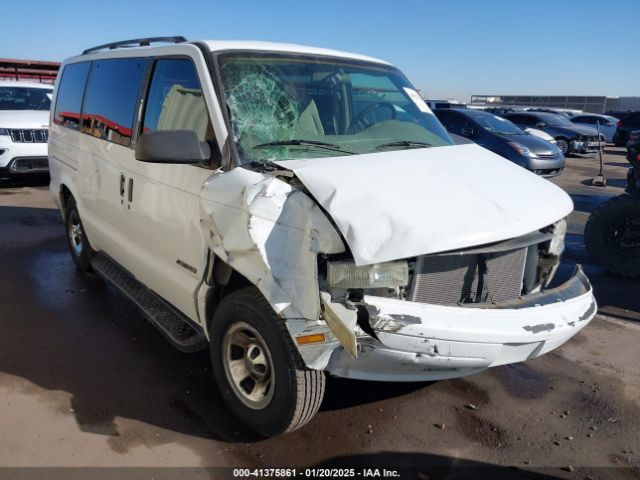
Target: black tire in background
{"type": "Point", "coordinates": [612, 235]}
{"type": "Point", "coordinates": [295, 392]}
{"type": "Point", "coordinates": [77, 240]}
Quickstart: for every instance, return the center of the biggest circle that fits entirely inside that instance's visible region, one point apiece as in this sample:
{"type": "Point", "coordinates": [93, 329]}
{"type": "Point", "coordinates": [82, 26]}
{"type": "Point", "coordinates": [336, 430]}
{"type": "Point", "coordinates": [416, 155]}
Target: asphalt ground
{"type": "Point", "coordinates": [85, 381]}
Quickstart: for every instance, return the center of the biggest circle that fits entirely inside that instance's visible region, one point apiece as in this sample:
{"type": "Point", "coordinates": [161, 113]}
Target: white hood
{"type": "Point", "coordinates": [24, 118]}
{"type": "Point", "coordinates": [400, 204]}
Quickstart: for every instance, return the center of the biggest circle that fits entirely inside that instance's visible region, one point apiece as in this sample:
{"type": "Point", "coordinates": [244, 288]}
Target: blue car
{"type": "Point", "coordinates": [504, 138]}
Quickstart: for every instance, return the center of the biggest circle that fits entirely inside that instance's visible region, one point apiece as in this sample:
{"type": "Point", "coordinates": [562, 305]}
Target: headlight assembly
{"type": "Point", "coordinates": [522, 150]}
{"type": "Point", "coordinates": [379, 275]}
{"type": "Point", "coordinates": [557, 242]}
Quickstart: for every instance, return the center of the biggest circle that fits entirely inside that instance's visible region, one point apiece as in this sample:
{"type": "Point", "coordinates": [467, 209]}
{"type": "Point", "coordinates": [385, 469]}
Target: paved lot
{"type": "Point", "coordinates": [85, 381]}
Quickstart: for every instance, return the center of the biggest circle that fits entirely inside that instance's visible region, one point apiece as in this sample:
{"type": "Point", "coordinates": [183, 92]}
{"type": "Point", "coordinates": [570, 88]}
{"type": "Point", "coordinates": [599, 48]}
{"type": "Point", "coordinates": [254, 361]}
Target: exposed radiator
{"type": "Point", "coordinates": [453, 279]}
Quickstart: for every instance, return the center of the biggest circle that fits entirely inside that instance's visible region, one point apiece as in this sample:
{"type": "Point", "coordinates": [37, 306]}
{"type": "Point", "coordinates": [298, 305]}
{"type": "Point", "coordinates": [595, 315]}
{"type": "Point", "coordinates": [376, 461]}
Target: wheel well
{"type": "Point", "coordinates": [65, 194]}
{"type": "Point", "coordinates": [225, 280]}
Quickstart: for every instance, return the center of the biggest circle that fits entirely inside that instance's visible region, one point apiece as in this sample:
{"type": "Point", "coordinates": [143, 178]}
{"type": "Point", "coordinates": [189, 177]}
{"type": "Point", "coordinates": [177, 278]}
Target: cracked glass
{"type": "Point", "coordinates": [292, 106]}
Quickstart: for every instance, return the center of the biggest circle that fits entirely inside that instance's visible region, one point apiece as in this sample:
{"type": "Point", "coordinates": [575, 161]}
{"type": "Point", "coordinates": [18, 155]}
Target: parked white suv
{"type": "Point", "coordinates": [24, 127]}
{"type": "Point", "coordinates": [300, 211]}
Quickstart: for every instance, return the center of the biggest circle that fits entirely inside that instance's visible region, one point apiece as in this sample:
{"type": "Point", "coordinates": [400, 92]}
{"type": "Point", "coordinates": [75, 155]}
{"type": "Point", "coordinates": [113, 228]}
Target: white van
{"type": "Point", "coordinates": [298, 211]}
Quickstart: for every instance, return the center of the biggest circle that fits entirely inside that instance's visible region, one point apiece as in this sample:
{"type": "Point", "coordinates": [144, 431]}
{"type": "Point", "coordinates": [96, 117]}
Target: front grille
{"type": "Point", "coordinates": [453, 279]}
{"type": "Point", "coordinates": [29, 135]}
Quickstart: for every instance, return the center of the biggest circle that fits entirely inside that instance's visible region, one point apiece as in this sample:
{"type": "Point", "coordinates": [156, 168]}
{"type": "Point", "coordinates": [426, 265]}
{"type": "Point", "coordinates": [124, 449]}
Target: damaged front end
{"type": "Point", "coordinates": [428, 317]}
{"type": "Point", "coordinates": [461, 312]}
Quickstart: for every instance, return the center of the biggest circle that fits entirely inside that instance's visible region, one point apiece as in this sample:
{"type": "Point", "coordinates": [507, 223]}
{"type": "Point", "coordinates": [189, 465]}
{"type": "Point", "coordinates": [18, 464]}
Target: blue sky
{"type": "Point", "coordinates": [446, 48]}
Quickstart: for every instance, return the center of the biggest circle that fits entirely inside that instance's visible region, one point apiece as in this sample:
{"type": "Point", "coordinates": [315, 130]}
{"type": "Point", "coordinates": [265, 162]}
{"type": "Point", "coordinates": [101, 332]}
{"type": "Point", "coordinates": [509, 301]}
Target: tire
{"type": "Point", "coordinates": [612, 235]}
{"type": "Point", "coordinates": [563, 145]}
{"type": "Point", "coordinates": [77, 240]}
{"type": "Point", "coordinates": [269, 390]}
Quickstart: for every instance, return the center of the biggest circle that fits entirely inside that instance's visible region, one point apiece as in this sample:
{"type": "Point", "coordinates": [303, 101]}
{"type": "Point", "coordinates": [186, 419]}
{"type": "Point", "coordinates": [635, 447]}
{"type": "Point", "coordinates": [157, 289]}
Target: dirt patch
{"type": "Point", "coordinates": [479, 429]}
{"type": "Point", "coordinates": [521, 380]}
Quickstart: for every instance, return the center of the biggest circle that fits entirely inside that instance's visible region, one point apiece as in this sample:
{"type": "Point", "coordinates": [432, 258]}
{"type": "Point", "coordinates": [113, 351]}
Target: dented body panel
{"type": "Point", "coordinates": [418, 342]}
{"type": "Point", "coordinates": [271, 233]}
{"type": "Point", "coordinates": [428, 200]}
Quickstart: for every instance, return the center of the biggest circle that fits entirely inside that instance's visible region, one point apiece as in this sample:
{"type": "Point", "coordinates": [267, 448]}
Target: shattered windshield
{"type": "Point", "coordinates": [286, 106]}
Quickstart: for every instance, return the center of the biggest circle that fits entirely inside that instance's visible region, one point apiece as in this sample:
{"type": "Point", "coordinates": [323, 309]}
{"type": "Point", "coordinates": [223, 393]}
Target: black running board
{"type": "Point", "coordinates": [183, 333]}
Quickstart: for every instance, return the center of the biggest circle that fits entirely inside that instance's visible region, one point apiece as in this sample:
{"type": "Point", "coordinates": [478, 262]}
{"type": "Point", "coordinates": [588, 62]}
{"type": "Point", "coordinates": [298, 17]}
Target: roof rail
{"type": "Point", "coordinates": [136, 42]}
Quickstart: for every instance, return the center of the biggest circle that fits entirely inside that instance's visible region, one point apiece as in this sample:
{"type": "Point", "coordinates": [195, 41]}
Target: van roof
{"type": "Point", "coordinates": [219, 45]}
{"type": "Point", "coordinates": [130, 46]}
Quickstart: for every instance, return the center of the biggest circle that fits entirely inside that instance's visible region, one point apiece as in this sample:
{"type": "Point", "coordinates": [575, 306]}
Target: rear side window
{"type": "Point", "coordinates": [175, 100]}
{"type": "Point", "coordinates": [69, 98]}
{"type": "Point", "coordinates": [111, 99]}
{"type": "Point", "coordinates": [593, 120]}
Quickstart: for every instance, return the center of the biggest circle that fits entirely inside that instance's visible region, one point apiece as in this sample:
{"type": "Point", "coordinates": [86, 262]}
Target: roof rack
{"type": "Point", "coordinates": [136, 42]}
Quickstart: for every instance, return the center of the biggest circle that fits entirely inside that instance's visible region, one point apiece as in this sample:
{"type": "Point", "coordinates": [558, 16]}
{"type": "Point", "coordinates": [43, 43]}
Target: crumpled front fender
{"type": "Point", "coordinates": [271, 233]}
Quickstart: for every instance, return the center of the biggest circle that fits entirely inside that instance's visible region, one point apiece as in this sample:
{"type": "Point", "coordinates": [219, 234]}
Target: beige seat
{"type": "Point", "coordinates": [309, 122]}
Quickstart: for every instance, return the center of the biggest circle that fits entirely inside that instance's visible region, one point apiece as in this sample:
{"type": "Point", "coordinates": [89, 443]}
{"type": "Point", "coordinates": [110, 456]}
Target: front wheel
{"type": "Point", "coordinates": [258, 369]}
{"type": "Point", "coordinates": [612, 235]}
{"type": "Point", "coordinates": [563, 145]}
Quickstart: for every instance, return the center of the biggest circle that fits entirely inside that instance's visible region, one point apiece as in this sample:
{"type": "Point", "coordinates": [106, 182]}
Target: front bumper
{"type": "Point", "coordinates": [26, 165]}
{"type": "Point", "coordinates": [585, 147]}
{"type": "Point", "coordinates": [420, 342]}
{"type": "Point", "coordinates": [547, 167]}
{"type": "Point", "coordinates": [17, 158]}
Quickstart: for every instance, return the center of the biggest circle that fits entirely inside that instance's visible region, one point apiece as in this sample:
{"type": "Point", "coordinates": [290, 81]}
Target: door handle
{"type": "Point", "coordinates": [130, 194]}
{"type": "Point", "coordinates": [122, 184]}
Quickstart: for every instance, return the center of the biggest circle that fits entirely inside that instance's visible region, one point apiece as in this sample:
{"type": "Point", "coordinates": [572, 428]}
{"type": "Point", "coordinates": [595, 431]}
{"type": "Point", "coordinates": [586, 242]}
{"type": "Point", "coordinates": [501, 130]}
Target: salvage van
{"type": "Point", "coordinates": [301, 212]}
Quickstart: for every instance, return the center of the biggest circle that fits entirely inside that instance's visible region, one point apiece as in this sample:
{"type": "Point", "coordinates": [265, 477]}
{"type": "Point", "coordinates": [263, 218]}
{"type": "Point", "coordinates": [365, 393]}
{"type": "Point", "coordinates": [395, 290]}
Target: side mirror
{"type": "Point", "coordinates": [541, 125]}
{"type": "Point", "coordinates": [171, 146]}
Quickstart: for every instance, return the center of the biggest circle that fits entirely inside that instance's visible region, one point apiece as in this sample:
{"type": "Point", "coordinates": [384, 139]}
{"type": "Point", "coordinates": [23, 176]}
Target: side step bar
{"type": "Point", "coordinates": [181, 331]}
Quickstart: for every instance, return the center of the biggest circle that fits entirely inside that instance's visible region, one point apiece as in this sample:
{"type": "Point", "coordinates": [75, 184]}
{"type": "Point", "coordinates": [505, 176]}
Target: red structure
{"type": "Point", "coordinates": [37, 71]}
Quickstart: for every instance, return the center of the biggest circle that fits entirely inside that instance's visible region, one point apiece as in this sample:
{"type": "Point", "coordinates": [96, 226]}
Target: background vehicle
{"type": "Point", "coordinates": [570, 138]}
{"type": "Point", "coordinates": [625, 125]}
{"type": "Point", "coordinates": [24, 123]}
{"type": "Point", "coordinates": [565, 113]}
{"type": "Point", "coordinates": [607, 126]}
{"type": "Point", "coordinates": [504, 138]}
{"type": "Point", "coordinates": [633, 137]}
{"type": "Point", "coordinates": [612, 233]}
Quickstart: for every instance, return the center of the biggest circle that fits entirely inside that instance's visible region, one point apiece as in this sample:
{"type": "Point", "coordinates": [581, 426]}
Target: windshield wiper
{"type": "Point", "coordinates": [305, 143]}
{"type": "Point", "coordinates": [404, 143]}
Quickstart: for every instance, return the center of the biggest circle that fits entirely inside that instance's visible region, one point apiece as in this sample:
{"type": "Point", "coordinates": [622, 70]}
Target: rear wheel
{"type": "Point", "coordinates": [258, 369]}
{"type": "Point", "coordinates": [612, 235]}
{"type": "Point", "coordinates": [81, 251]}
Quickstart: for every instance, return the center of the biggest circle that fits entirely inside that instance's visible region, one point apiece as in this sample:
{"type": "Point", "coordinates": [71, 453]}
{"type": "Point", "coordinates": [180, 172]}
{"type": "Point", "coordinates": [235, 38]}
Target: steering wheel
{"type": "Point", "coordinates": [360, 122]}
